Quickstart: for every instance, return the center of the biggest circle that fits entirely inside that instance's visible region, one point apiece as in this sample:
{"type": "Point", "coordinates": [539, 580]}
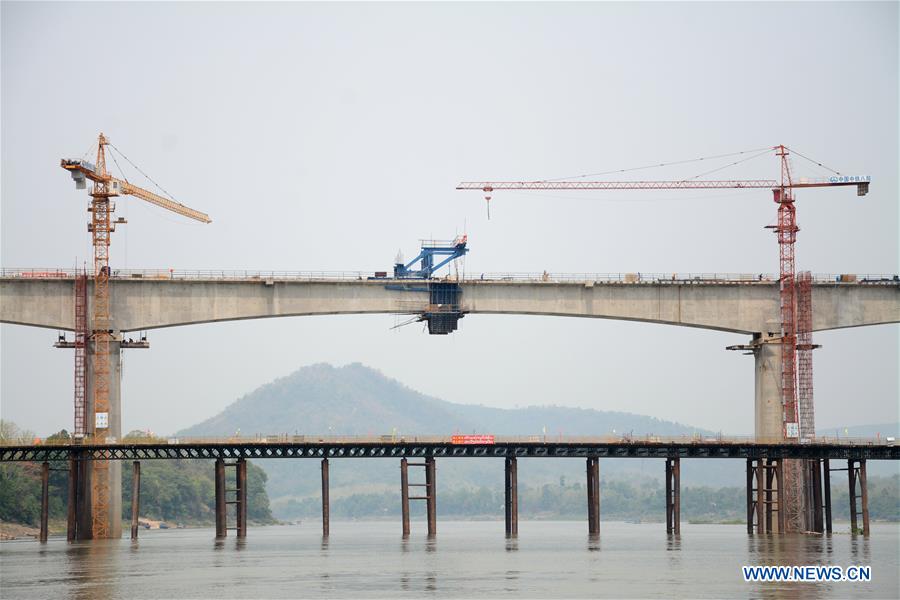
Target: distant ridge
{"type": "Point", "coordinates": [322, 399]}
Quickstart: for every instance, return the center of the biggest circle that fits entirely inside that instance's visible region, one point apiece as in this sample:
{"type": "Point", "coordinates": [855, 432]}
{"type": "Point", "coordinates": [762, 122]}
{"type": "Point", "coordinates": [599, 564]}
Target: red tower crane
{"type": "Point", "coordinates": [786, 231]}
{"type": "Point", "coordinates": [796, 308]}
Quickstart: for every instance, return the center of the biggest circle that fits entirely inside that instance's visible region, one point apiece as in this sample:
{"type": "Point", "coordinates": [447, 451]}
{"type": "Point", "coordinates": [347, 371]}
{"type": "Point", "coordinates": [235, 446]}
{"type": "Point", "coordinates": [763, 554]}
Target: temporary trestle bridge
{"type": "Point", "coordinates": [765, 461]}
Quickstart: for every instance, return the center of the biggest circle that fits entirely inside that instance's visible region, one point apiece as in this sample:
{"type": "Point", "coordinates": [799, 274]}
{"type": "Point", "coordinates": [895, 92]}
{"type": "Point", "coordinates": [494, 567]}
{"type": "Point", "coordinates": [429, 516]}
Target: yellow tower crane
{"type": "Point", "coordinates": [105, 186]}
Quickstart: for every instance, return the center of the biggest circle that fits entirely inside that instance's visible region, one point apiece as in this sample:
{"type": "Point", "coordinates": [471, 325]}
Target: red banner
{"type": "Point", "coordinates": [472, 439]}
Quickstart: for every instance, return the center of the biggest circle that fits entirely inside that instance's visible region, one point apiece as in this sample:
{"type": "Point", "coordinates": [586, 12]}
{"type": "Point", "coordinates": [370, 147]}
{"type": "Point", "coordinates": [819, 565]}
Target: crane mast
{"type": "Point", "coordinates": [98, 333]}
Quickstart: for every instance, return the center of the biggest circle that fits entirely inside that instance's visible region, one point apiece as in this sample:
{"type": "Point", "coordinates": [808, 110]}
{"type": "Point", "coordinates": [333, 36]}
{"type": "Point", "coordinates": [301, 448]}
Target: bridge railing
{"type": "Point", "coordinates": [545, 277]}
{"type": "Point", "coordinates": [286, 438]}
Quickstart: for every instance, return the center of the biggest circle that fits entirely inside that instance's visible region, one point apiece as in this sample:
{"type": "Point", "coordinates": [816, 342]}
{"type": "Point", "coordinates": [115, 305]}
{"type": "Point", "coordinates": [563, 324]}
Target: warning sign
{"type": "Point", "coordinates": [472, 439]}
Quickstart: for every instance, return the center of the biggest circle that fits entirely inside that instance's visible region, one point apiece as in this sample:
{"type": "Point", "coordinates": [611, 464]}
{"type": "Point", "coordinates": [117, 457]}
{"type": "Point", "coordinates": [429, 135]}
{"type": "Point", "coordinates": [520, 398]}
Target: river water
{"type": "Point", "coordinates": [466, 559]}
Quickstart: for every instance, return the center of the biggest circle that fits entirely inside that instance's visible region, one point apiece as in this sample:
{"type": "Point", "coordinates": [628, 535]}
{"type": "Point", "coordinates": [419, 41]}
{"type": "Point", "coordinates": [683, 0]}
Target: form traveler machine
{"type": "Point", "coordinates": [442, 310]}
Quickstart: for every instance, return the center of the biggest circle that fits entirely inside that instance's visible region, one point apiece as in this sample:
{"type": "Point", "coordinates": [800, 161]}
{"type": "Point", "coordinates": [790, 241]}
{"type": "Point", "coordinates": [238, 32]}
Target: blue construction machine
{"type": "Point", "coordinates": [442, 310]}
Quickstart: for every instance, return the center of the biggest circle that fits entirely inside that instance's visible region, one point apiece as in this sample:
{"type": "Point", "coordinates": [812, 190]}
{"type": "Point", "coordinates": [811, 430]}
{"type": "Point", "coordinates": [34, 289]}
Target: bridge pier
{"type": "Point", "coordinates": [135, 497]}
{"type": "Point", "coordinates": [673, 496]}
{"type": "Point", "coordinates": [512, 497]}
{"type": "Point", "coordinates": [593, 495]}
{"type": "Point", "coordinates": [856, 474]}
{"type": "Point", "coordinates": [113, 468]}
{"type": "Point", "coordinates": [326, 516]}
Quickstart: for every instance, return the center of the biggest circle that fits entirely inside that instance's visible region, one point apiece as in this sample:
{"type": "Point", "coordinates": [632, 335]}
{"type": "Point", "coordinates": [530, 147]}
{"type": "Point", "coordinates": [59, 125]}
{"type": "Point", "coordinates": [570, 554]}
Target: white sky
{"type": "Point", "coordinates": [327, 137]}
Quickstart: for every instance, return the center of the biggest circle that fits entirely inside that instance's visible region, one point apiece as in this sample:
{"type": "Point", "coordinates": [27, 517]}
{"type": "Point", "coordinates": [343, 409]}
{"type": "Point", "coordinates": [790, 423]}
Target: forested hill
{"type": "Point", "coordinates": [357, 400]}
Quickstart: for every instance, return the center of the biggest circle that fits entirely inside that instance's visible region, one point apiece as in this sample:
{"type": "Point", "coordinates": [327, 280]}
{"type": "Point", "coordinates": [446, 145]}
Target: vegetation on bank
{"type": "Point", "coordinates": [176, 491]}
{"type": "Point", "coordinates": [619, 500]}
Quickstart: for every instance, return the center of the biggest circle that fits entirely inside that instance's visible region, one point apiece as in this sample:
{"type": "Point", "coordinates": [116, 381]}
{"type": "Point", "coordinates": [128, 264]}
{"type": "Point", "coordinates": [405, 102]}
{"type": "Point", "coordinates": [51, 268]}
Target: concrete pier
{"type": "Point", "coordinates": [511, 505]}
{"type": "Point", "coordinates": [326, 512]}
{"type": "Point", "coordinates": [135, 497]}
{"type": "Point", "coordinates": [673, 496]}
{"type": "Point", "coordinates": [593, 495]}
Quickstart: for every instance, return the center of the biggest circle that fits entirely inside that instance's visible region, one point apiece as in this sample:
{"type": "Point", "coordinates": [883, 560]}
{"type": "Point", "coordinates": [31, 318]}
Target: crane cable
{"type": "Point", "coordinates": [815, 162]}
{"type": "Point", "coordinates": [737, 162]}
{"type": "Point", "coordinates": [666, 164]}
{"type": "Point", "coordinates": [161, 188]}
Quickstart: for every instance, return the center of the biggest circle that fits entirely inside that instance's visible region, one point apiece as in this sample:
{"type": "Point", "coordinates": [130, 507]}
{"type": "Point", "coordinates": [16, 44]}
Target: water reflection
{"type": "Point", "coordinates": [93, 565]}
{"type": "Point", "coordinates": [859, 550]}
{"type": "Point", "coordinates": [673, 541]}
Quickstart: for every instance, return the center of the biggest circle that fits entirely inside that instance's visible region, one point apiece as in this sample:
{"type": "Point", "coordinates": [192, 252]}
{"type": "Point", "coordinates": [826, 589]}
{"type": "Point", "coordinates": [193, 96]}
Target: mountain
{"type": "Point", "coordinates": [357, 400]}
{"type": "Point", "coordinates": [354, 399]}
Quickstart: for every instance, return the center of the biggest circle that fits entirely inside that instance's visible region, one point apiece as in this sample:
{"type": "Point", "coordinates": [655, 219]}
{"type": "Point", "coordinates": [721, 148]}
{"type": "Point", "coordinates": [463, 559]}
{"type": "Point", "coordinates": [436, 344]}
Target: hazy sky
{"type": "Point", "coordinates": [328, 136]}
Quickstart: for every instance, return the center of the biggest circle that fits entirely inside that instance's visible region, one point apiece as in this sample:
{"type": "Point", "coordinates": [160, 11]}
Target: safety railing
{"type": "Point", "coordinates": [398, 438]}
{"type": "Point", "coordinates": [515, 277]}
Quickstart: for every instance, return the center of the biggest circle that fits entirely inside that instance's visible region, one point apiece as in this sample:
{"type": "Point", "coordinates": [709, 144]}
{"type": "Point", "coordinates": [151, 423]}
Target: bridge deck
{"type": "Point", "coordinates": [430, 447]}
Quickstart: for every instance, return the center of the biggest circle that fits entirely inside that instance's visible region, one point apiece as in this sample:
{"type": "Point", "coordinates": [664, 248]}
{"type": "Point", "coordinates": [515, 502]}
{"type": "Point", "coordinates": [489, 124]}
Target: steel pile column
{"type": "Point", "coordinates": [818, 517]}
{"type": "Point", "coordinates": [326, 520]}
{"type": "Point", "coordinates": [221, 530]}
{"type": "Point", "coordinates": [512, 498]}
{"type": "Point", "coordinates": [431, 501]}
{"type": "Point", "coordinates": [779, 484]}
{"type": "Point", "coordinates": [241, 497]}
{"type": "Point", "coordinates": [71, 520]}
{"type": "Point", "coordinates": [593, 495]}
{"type": "Point", "coordinates": [673, 495]}
{"type": "Point", "coordinates": [760, 496]}
{"type": "Point", "coordinates": [404, 495]}
{"type": "Point", "coordinates": [135, 497]}
{"type": "Point", "coordinates": [45, 499]}
{"type": "Point", "coordinates": [826, 481]}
